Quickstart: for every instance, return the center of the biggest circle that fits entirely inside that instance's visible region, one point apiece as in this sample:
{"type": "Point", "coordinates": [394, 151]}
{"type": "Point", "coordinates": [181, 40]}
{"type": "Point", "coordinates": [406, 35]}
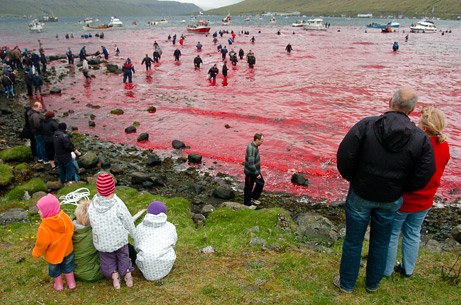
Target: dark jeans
{"type": "Point", "coordinates": [66, 170]}
{"type": "Point", "coordinates": [253, 188]}
{"type": "Point", "coordinates": [67, 266]}
{"type": "Point", "coordinates": [359, 213]}
{"type": "Point", "coordinates": [129, 76]}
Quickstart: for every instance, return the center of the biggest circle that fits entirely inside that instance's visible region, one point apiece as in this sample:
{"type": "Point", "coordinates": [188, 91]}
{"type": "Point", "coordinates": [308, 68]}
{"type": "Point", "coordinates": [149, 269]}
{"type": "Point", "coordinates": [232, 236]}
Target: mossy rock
{"type": "Point", "coordinates": [136, 123]}
{"type": "Point", "coordinates": [32, 186]}
{"type": "Point", "coordinates": [152, 109]}
{"type": "Point", "coordinates": [6, 174]}
{"type": "Point", "coordinates": [22, 167]}
{"type": "Point", "coordinates": [16, 154]}
{"type": "Point", "coordinates": [117, 111]}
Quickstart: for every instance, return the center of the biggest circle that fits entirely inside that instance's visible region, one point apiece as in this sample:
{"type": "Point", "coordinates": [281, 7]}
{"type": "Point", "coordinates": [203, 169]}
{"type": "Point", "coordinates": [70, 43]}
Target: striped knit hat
{"type": "Point", "coordinates": [105, 185]}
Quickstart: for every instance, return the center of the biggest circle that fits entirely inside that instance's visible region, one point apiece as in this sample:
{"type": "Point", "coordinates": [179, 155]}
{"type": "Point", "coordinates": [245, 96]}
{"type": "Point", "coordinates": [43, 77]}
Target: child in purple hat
{"type": "Point", "coordinates": [155, 239]}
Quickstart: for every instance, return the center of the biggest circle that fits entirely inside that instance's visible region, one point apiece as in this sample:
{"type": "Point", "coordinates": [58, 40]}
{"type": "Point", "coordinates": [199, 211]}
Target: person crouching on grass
{"type": "Point", "coordinates": [111, 222]}
{"type": "Point", "coordinates": [54, 241]}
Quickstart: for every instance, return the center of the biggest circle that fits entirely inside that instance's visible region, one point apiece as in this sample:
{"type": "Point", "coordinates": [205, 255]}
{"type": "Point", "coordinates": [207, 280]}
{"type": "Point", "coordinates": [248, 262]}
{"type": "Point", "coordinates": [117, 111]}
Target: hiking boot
{"type": "Point", "coordinates": [116, 280]}
{"type": "Point", "coordinates": [337, 283]}
{"type": "Point", "coordinates": [58, 284]}
{"type": "Point", "coordinates": [400, 270]}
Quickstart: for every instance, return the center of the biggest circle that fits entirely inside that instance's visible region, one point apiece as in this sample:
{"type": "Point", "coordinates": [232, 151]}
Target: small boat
{"type": "Point", "coordinates": [246, 18]}
{"type": "Point", "coordinates": [315, 24]}
{"type": "Point", "coordinates": [273, 20]}
{"type": "Point", "coordinates": [298, 24]}
{"type": "Point", "coordinates": [114, 21]}
{"type": "Point", "coordinates": [183, 21]}
{"type": "Point", "coordinates": [157, 22]}
{"type": "Point", "coordinates": [200, 27]}
{"type": "Point", "coordinates": [88, 20]}
{"type": "Point", "coordinates": [387, 29]}
{"type": "Point", "coordinates": [97, 27]}
{"type": "Point", "coordinates": [48, 18]}
{"type": "Point", "coordinates": [423, 26]}
{"type": "Point", "coordinates": [36, 26]}
{"type": "Point", "coordinates": [375, 25]}
{"type": "Point", "coordinates": [226, 20]}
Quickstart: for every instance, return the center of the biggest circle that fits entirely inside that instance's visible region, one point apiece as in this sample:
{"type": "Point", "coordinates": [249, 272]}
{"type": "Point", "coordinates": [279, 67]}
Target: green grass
{"type": "Point", "coordinates": [235, 274]}
{"type": "Point", "coordinates": [31, 186]}
{"type": "Point", "coordinates": [6, 174]}
{"type": "Point", "coordinates": [17, 153]}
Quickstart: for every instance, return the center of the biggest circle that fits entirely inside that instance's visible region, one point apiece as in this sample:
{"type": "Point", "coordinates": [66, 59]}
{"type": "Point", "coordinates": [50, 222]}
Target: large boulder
{"type": "Point", "coordinates": [88, 160]}
{"type": "Point", "coordinates": [140, 177]}
{"type": "Point", "coordinates": [224, 193]}
{"type": "Point", "coordinates": [154, 160]}
{"type": "Point", "coordinates": [456, 233]}
{"type": "Point", "coordinates": [13, 216]}
{"type": "Point", "coordinates": [315, 227]}
{"type": "Point", "coordinates": [194, 158]}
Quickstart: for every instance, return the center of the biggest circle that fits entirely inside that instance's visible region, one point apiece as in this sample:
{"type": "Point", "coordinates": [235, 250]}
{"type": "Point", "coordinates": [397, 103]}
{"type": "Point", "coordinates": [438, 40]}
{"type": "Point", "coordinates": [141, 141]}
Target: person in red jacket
{"type": "Point", "coordinates": [54, 241]}
{"type": "Point", "coordinates": [417, 204]}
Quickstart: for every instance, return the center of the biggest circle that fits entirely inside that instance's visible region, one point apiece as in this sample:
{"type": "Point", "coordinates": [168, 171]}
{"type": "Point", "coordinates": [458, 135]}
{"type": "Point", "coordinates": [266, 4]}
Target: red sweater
{"type": "Point", "coordinates": [423, 199]}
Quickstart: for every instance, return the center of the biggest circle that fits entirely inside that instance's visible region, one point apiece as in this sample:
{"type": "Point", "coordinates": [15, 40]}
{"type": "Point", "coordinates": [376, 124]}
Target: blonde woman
{"type": "Point", "coordinates": [416, 205]}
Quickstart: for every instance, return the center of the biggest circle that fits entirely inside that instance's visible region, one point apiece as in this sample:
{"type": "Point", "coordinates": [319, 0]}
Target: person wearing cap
{"type": "Point", "coordinates": [54, 241]}
{"type": "Point", "coordinates": [63, 148]}
{"type": "Point", "coordinates": [111, 222]}
{"type": "Point", "coordinates": [155, 241]}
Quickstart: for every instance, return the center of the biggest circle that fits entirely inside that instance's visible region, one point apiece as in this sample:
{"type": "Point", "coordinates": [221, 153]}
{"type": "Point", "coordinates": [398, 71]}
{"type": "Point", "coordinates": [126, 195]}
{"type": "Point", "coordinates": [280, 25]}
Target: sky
{"type": "Point", "coordinates": [209, 4]}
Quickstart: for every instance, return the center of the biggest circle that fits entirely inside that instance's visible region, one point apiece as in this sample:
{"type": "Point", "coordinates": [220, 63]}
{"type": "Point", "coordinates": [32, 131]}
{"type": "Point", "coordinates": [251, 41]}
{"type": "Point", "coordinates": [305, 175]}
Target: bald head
{"type": "Point", "coordinates": [404, 100]}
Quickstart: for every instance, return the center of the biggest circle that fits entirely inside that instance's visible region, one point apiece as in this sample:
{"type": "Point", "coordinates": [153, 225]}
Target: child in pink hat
{"type": "Point", "coordinates": [111, 222]}
{"type": "Point", "coordinates": [54, 241]}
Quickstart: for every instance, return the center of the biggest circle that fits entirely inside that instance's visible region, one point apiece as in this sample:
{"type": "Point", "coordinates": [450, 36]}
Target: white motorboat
{"type": "Point", "coordinates": [114, 21]}
{"type": "Point", "coordinates": [88, 20]}
{"type": "Point", "coordinates": [157, 22]}
{"type": "Point", "coordinates": [423, 26]}
{"type": "Point", "coordinates": [315, 24]}
{"type": "Point", "coordinates": [226, 20]}
{"type": "Point", "coordinates": [299, 24]}
{"type": "Point", "coordinates": [36, 26]}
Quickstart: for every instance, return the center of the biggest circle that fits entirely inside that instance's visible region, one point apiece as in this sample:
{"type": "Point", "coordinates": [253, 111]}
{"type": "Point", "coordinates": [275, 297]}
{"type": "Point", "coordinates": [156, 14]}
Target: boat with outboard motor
{"type": "Point", "coordinates": [315, 24]}
{"type": "Point", "coordinates": [201, 26]}
{"type": "Point", "coordinates": [423, 26]}
{"type": "Point", "coordinates": [36, 26]}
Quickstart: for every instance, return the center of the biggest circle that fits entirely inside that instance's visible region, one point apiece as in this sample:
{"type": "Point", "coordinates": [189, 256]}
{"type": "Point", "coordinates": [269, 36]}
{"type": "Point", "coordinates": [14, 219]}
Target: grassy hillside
{"type": "Point", "coordinates": [442, 8]}
{"type": "Point", "coordinates": [96, 7]}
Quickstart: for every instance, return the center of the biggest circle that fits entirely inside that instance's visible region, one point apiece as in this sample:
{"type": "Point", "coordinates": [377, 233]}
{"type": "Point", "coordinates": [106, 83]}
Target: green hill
{"type": "Point", "coordinates": [96, 8]}
{"type": "Point", "coordinates": [449, 9]}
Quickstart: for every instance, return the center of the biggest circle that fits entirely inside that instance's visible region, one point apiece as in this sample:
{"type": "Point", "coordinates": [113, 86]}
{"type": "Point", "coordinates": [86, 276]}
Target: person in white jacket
{"type": "Point", "coordinates": [111, 222]}
{"type": "Point", "coordinates": [155, 239]}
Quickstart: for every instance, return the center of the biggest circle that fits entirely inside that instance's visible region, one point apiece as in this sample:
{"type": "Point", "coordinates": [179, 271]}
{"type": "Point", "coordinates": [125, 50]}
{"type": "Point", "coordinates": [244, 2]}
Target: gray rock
{"type": "Point", "coordinates": [198, 189]}
{"type": "Point", "coordinates": [140, 177]}
{"type": "Point", "coordinates": [451, 245]}
{"type": "Point", "coordinates": [254, 229]}
{"type": "Point", "coordinates": [284, 223]}
{"type": "Point", "coordinates": [55, 90]}
{"type": "Point", "coordinates": [147, 184]}
{"type": "Point", "coordinates": [117, 169]}
{"type": "Point", "coordinates": [88, 160]}
{"type": "Point", "coordinates": [208, 250]}
{"type": "Point", "coordinates": [26, 196]}
{"type": "Point", "coordinates": [53, 185]}
{"type": "Point", "coordinates": [223, 193]}
{"type": "Point", "coordinates": [234, 205]}
{"type": "Point", "coordinates": [154, 160]}
{"type": "Point", "coordinates": [257, 241]}
{"type": "Point", "coordinates": [299, 179]}
{"type": "Point", "coordinates": [456, 233]}
{"type": "Point", "coordinates": [194, 158]}
{"type": "Point", "coordinates": [14, 215]}
{"type": "Point", "coordinates": [315, 227]}
{"type": "Point", "coordinates": [159, 180]}
{"type": "Point", "coordinates": [178, 144]}
{"type": "Point", "coordinates": [130, 129]}
{"type": "Point", "coordinates": [433, 245]}
{"type": "Point", "coordinates": [143, 137]}
{"type": "Point", "coordinates": [207, 209]}
{"type": "Point", "coordinates": [315, 246]}
{"type": "Point", "coordinates": [198, 219]}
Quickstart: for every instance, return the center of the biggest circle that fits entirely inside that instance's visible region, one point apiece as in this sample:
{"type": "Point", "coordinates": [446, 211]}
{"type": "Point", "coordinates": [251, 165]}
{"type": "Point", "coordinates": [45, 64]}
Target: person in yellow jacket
{"type": "Point", "coordinates": [54, 241]}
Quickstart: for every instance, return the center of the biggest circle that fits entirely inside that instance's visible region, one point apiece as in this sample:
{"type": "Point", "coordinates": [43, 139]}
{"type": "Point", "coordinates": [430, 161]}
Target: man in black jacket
{"type": "Point", "coordinates": [63, 148]}
{"type": "Point", "coordinates": [381, 157]}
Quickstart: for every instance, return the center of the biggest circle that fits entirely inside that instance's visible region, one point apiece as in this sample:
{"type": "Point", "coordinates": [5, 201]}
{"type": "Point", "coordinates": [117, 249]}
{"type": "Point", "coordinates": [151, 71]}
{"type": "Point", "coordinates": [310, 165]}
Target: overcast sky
{"type": "Point", "coordinates": [209, 4]}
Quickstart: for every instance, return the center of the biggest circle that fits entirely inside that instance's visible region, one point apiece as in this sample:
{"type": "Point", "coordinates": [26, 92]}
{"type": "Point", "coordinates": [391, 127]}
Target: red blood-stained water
{"type": "Point", "coordinates": [303, 102]}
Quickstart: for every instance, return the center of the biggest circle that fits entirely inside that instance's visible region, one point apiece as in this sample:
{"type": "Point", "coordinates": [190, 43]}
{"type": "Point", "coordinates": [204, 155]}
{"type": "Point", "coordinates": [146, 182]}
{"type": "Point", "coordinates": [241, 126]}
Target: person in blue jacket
{"type": "Point", "coordinates": [395, 46]}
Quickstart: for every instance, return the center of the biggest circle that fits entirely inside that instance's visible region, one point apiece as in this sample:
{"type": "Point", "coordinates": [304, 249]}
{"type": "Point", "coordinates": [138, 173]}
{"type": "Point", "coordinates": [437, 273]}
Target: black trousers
{"type": "Point", "coordinates": [253, 188]}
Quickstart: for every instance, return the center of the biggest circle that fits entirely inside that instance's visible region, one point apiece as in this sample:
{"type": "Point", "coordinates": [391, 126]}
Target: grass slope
{"type": "Point", "coordinates": [442, 8]}
{"type": "Point", "coordinates": [235, 274]}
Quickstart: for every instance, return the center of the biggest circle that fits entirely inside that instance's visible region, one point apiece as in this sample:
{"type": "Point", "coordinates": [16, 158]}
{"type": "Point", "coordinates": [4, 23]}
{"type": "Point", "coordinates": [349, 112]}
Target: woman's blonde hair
{"type": "Point", "coordinates": [433, 122]}
{"type": "Point", "coordinates": [81, 213]}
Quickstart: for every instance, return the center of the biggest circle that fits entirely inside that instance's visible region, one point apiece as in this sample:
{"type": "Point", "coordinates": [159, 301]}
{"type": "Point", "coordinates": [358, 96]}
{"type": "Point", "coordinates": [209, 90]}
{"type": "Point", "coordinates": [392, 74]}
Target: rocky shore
{"type": "Point", "coordinates": [175, 176]}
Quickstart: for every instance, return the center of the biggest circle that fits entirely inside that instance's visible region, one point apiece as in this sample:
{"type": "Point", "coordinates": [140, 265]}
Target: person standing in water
{"type": "Point", "coordinates": [148, 61]}
{"type": "Point", "coordinates": [288, 48]}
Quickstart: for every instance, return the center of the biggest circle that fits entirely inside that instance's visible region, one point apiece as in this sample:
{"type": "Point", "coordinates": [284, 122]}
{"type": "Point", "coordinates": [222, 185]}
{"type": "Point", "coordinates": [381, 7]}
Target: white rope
{"type": "Point", "coordinates": [75, 196]}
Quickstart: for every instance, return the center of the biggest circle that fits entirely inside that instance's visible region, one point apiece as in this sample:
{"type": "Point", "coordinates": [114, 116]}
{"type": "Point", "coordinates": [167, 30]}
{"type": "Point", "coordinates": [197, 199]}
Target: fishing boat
{"type": "Point", "coordinates": [36, 26]}
{"type": "Point", "coordinates": [375, 25]}
{"type": "Point", "coordinates": [423, 26]}
{"type": "Point", "coordinates": [97, 27]}
{"type": "Point", "coordinates": [226, 20]}
{"type": "Point", "coordinates": [114, 21]}
{"type": "Point", "coordinates": [315, 24]}
{"type": "Point", "coordinates": [157, 22]}
{"type": "Point", "coordinates": [48, 18]}
{"type": "Point", "coordinates": [201, 26]}
{"type": "Point", "coordinates": [299, 24]}
{"type": "Point", "coordinates": [246, 18]}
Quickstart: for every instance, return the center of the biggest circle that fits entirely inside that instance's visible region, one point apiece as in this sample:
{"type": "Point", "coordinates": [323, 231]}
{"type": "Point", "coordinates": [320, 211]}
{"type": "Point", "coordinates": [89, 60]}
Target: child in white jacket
{"type": "Point", "coordinates": [111, 222]}
{"type": "Point", "coordinates": [155, 239]}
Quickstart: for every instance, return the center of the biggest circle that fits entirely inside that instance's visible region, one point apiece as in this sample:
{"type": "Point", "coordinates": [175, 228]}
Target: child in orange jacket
{"type": "Point", "coordinates": [54, 241]}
